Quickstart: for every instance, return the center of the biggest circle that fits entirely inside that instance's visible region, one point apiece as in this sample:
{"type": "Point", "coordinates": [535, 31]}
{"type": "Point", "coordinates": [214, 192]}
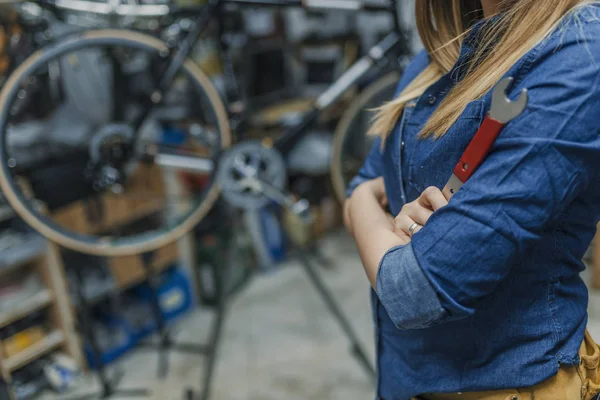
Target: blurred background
{"type": "Point", "coordinates": [172, 174]}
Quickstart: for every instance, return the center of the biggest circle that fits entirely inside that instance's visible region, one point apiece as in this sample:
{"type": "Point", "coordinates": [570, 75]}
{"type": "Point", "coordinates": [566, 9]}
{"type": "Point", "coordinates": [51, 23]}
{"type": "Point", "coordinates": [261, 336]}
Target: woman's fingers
{"type": "Point", "coordinates": [391, 219]}
{"type": "Point", "coordinates": [417, 212]}
{"type": "Point", "coordinates": [402, 225]}
{"type": "Point", "coordinates": [433, 198]}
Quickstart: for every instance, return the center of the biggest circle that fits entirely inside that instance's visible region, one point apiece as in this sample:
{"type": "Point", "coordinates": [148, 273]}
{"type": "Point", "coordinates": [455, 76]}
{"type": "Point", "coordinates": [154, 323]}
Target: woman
{"type": "Point", "coordinates": [480, 297]}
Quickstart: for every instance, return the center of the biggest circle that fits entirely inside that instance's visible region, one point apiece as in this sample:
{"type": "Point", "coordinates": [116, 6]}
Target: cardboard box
{"type": "Point", "coordinates": [145, 195]}
{"type": "Point", "coordinates": [129, 270]}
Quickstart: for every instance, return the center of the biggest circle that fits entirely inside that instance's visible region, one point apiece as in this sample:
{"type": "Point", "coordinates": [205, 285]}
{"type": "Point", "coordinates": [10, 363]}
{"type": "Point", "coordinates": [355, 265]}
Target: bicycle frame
{"type": "Point", "coordinates": [353, 75]}
{"type": "Point", "coordinates": [114, 7]}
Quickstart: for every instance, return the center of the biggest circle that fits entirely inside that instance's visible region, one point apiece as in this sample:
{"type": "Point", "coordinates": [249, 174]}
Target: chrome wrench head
{"type": "Point", "coordinates": [504, 109]}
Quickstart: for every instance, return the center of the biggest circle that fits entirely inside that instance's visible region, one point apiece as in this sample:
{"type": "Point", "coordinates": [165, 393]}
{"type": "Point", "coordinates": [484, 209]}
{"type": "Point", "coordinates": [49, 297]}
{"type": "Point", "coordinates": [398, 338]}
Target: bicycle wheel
{"type": "Point", "coordinates": [108, 188]}
{"type": "Point", "coordinates": [351, 145]}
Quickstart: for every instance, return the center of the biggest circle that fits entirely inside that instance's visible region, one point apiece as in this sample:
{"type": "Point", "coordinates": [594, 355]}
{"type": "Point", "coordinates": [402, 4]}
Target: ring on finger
{"type": "Point", "coordinates": [412, 228]}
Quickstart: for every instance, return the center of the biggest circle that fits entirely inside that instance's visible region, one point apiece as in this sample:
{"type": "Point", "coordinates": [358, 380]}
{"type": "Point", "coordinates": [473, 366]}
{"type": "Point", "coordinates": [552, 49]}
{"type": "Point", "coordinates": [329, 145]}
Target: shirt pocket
{"type": "Point", "coordinates": [434, 159]}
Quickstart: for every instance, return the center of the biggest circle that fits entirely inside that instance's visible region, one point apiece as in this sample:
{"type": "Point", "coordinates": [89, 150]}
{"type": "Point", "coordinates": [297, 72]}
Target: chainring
{"type": "Point", "coordinates": [250, 159]}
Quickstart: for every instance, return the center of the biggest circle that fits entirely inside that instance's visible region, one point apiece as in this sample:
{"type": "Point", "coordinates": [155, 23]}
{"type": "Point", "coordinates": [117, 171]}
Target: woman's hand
{"type": "Point", "coordinates": [418, 212]}
{"type": "Point", "coordinates": [376, 187]}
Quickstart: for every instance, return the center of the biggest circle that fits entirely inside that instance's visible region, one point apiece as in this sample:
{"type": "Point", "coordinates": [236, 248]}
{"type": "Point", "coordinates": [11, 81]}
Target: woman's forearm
{"type": "Point", "coordinates": [346, 213]}
{"type": "Point", "coordinates": [373, 231]}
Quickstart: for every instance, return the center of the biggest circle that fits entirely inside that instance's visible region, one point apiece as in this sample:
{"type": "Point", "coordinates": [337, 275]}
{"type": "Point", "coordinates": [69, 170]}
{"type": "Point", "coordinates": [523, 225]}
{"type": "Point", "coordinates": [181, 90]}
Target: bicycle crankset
{"type": "Point", "coordinates": [251, 176]}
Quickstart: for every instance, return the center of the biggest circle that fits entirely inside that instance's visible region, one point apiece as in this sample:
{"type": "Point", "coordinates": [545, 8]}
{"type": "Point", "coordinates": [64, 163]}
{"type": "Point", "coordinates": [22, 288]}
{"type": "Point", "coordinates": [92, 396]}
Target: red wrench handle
{"type": "Point", "coordinates": [478, 148]}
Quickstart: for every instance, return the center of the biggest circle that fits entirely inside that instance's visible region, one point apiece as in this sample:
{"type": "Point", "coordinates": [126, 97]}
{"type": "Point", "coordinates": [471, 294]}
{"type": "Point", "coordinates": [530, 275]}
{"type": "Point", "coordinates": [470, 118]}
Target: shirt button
{"type": "Point", "coordinates": [402, 144]}
{"type": "Point", "coordinates": [431, 99]}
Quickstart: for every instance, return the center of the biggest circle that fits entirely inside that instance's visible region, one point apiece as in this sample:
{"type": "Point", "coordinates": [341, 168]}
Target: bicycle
{"type": "Point", "coordinates": [150, 81]}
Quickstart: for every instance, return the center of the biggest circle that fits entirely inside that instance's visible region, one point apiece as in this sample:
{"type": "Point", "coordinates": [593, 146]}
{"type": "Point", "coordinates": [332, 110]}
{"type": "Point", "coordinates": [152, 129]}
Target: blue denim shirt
{"type": "Point", "coordinates": [488, 294]}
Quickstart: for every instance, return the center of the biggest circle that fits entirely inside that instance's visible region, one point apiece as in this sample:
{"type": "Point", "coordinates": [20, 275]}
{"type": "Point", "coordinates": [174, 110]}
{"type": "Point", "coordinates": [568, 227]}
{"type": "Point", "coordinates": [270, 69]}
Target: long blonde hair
{"type": "Point", "coordinates": [442, 26]}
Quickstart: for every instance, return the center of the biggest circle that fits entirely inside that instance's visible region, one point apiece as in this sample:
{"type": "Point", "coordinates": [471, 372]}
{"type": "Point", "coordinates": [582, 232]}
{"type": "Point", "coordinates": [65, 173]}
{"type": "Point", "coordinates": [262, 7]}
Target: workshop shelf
{"type": "Point", "coordinates": [37, 302]}
{"type": "Point", "coordinates": [35, 351]}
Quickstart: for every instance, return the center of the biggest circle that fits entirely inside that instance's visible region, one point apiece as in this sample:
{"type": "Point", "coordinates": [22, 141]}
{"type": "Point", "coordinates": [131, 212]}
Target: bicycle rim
{"type": "Point", "coordinates": [106, 243]}
{"type": "Point", "coordinates": [350, 143]}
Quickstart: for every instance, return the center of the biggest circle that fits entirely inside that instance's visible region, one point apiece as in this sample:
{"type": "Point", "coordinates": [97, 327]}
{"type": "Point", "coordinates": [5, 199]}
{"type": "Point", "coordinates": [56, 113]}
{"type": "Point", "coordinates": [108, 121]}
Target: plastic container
{"type": "Point", "coordinates": [119, 334]}
{"type": "Point", "coordinates": [174, 293]}
{"type": "Point", "coordinates": [120, 337]}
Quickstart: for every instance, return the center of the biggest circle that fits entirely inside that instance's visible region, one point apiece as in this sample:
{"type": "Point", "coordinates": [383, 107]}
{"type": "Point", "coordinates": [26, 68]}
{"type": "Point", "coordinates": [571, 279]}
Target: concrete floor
{"type": "Point", "coordinates": [279, 341]}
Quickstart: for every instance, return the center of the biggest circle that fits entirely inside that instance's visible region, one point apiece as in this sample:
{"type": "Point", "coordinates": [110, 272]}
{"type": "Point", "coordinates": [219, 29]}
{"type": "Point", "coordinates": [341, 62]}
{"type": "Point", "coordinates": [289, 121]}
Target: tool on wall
{"type": "Point", "coordinates": [502, 111]}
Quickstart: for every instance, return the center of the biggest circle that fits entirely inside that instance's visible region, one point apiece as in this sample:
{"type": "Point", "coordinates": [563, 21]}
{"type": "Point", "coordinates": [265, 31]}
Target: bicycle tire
{"type": "Point", "coordinates": [96, 245]}
{"type": "Point", "coordinates": [343, 128]}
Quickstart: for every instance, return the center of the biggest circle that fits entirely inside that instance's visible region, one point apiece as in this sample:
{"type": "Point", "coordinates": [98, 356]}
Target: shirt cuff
{"type": "Point", "coordinates": [405, 292]}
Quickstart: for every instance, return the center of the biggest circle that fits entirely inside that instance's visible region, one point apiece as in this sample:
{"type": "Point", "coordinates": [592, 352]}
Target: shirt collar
{"type": "Point", "coordinates": [469, 46]}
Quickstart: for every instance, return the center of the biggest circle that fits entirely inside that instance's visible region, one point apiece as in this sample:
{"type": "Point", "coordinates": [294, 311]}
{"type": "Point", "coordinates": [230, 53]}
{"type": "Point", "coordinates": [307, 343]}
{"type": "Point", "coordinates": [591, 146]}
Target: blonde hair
{"type": "Point", "coordinates": [442, 26]}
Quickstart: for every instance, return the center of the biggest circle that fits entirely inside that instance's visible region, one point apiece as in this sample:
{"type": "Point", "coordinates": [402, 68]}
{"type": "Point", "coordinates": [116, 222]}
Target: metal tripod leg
{"type": "Point", "coordinates": [166, 342]}
{"type": "Point", "coordinates": [221, 289]}
{"type": "Point", "coordinates": [357, 349]}
{"type": "Point", "coordinates": [301, 209]}
{"type": "Point", "coordinates": [215, 338]}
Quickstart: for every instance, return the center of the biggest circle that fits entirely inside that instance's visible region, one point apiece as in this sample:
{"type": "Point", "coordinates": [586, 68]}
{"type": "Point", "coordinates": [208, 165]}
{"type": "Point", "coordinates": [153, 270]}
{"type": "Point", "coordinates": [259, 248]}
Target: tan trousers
{"type": "Point", "coordinates": [581, 382]}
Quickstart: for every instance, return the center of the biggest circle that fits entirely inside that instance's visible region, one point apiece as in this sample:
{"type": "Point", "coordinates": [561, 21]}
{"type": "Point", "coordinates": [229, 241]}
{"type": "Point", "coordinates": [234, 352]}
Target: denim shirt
{"type": "Point", "coordinates": [488, 295]}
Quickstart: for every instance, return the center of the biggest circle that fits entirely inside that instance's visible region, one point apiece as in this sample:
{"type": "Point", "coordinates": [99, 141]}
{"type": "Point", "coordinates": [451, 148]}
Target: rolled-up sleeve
{"type": "Point", "coordinates": [405, 291]}
{"type": "Point", "coordinates": [540, 164]}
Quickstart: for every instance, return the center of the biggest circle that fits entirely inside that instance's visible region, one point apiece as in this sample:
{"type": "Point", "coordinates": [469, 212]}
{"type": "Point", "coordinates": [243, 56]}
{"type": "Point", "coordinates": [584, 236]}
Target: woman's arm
{"type": "Point", "coordinates": [373, 230]}
{"type": "Point", "coordinates": [346, 213]}
{"type": "Point", "coordinates": [543, 161]}
{"type": "Point", "coordinates": [376, 232]}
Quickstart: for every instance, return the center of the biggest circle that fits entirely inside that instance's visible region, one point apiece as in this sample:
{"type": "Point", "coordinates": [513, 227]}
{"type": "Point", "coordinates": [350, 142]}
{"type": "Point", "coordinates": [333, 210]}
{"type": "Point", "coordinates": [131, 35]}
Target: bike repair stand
{"type": "Point", "coordinates": [301, 211]}
{"type": "Point", "coordinates": [108, 386]}
{"type": "Point", "coordinates": [251, 176]}
{"type": "Point", "coordinates": [165, 341]}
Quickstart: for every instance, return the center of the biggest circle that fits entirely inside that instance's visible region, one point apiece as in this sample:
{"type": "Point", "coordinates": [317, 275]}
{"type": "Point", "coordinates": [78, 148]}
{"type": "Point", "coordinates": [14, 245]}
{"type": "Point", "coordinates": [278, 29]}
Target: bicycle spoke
{"type": "Point", "coordinates": [77, 155]}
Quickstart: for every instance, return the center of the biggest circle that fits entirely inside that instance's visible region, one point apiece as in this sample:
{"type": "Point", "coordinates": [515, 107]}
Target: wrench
{"type": "Point", "coordinates": [502, 111]}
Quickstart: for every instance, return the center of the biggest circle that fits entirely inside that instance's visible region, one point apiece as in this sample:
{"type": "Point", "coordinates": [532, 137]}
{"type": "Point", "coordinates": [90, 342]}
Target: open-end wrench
{"type": "Point", "coordinates": [501, 112]}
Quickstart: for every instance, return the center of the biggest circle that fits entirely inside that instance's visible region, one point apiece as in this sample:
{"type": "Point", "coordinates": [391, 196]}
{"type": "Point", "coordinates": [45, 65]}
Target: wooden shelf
{"type": "Point", "coordinates": [12, 258]}
{"type": "Point", "coordinates": [41, 348]}
{"type": "Point", "coordinates": [34, 254]}
{"type": "Point", "coordinates": [34, 303]}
